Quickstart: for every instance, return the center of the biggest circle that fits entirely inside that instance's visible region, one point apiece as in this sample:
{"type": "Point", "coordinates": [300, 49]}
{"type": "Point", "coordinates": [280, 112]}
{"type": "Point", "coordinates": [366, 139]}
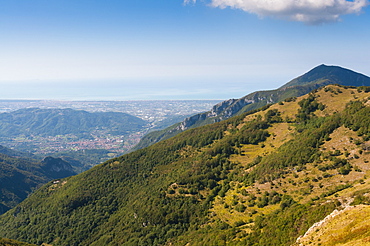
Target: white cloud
{"type": "Point", "coordinates": [307, 11]}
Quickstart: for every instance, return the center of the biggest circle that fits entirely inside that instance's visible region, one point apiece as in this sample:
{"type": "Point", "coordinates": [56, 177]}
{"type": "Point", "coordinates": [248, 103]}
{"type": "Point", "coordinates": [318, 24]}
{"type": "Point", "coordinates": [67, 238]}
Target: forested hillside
{"type": "Point", "coordinates": [317, 77]}
{"type": "Point", "coordinates": [260, 178]}
{"type": "Point", "coordinates": [20, 176]}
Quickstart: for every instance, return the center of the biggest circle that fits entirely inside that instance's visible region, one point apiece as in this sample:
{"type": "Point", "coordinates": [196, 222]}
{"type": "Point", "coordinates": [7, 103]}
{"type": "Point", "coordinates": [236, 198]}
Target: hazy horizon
{"type": "Point", "coordinates": [173, 49]}
{"type": "Point", "coordinates": [123, 90]}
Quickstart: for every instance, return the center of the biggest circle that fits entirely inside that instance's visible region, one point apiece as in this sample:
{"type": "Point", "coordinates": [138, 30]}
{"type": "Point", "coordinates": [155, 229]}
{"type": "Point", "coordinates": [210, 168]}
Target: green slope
{"type": "Point", "coordinates": [20, 176]}
{"type": "Point", "coordinates": [313, 79]}
{"type": "Point", "coordinates": [261, 178]}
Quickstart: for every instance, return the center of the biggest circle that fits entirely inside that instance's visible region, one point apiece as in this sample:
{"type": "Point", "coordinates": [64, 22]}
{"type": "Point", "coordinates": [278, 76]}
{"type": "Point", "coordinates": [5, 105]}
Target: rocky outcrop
{"type": "Point", "coordinates": [219, 112]}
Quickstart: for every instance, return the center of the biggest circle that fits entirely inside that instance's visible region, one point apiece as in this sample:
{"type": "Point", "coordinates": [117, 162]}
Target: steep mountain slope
{"type": "Point", "coordinates": [19, 177]}
{"type": "Point", "coordinates": [261, 178]}
{"type": "Point", "coordinates": [315, 78]}
{"type": "Point", "coordinates": [52, 122]}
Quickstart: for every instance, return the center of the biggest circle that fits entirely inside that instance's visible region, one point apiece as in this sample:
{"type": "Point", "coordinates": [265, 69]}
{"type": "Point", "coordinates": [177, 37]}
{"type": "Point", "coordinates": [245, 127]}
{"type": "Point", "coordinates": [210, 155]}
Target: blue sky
{"type": "Point", "coordinates": [171, 49]}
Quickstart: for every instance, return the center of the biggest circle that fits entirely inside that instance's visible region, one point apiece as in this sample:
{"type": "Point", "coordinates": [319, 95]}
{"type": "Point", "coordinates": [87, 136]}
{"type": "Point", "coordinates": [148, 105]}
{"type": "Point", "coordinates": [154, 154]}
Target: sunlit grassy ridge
{"type": "Point", "coordinates": [349, 227]}
{"type": "Point", "coordinates": [262, 178]}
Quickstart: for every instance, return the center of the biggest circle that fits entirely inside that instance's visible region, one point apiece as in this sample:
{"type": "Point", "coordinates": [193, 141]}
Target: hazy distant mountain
{"type": "Point", "coordinates": [315, 78]}
{"type": "Point", "coordinates": [52, 122]}
{"type": "Point", "coordinates": [260, 178]}
{"type": "Point", "coordinates": [15, 153]}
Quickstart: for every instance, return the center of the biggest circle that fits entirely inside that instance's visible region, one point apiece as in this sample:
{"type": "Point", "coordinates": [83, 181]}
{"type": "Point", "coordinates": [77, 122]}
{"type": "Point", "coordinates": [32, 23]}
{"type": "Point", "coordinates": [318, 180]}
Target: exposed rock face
{"type": "Point", "coordinates": [188, 122]}
{"type": "Point", "coordinates": [220, 111]}
{"type": "Point", "coordinates": [235, 107]}
{"type": "Point", "coordinates": [341, 227]}
{"type": "Point", "coordinates": [220, 107]}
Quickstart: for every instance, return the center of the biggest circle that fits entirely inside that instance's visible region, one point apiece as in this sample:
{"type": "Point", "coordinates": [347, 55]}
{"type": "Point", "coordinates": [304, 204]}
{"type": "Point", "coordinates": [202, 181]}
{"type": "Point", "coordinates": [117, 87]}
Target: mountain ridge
{"type": "Point", "coordinates": [319, 76]}
{"type": "Point", "coordinates": [330, 74]}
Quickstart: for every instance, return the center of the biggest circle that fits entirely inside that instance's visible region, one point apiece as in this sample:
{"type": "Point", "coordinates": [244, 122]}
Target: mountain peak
{"type": "Point", "coordinates": [325, 74]}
